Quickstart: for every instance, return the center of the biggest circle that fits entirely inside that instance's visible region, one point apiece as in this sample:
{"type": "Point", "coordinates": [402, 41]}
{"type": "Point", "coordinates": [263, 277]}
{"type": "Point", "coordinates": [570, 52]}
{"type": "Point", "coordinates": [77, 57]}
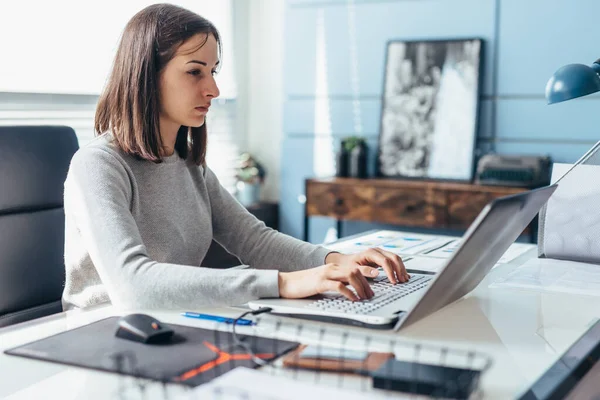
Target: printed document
{"type": "Point", "coordinates": [550, 275]}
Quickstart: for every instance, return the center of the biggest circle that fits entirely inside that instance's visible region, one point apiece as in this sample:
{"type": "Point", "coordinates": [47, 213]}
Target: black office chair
{"type": "Point", "coordinates": [34, 161]}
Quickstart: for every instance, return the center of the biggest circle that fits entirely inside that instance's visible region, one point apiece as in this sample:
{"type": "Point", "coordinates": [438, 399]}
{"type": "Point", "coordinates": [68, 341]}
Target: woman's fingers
{"type": "Point", "coordinates": [397, 263]}
{"type": "Point", "coordinates": [338, 286]}
{"type": "Point", "coordinates": [354, 277]}
{"type": "Point", "coordinates": [391, 264]}
{"type": "Point", "coordinates": [360, 284]}
{"type": "Point", "coordinates": [369, 272]}
{"type": "Point", "coordinates": [386, 264]}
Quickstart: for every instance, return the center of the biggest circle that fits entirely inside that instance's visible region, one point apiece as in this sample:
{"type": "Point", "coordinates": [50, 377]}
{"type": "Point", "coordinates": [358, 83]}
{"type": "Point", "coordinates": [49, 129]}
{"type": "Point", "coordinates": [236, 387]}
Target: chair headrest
{"type": "Point", "coordinates": [34, 161]}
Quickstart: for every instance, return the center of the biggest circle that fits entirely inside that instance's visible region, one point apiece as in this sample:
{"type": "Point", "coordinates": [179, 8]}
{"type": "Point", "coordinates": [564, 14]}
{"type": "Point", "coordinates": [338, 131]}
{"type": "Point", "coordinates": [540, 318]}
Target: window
{"type": "Point", "coordinates": [58, 66]}
{"type": "Point", "coordinates": [223, 150]}
{"type": "Point", "coordinates": [67, 46]}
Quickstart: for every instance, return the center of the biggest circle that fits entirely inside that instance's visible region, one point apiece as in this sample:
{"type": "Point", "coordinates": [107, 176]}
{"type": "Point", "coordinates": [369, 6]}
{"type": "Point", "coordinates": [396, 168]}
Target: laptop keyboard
{"type": "Point", "coordinates": [385, 293]}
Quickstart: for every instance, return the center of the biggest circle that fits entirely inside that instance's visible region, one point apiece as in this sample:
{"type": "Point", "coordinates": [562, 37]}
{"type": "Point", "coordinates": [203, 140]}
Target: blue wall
{"type": "Point", "coordinates": [534, 40]}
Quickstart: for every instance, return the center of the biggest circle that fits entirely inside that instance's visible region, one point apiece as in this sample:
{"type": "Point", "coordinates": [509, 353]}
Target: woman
{"type": "Point", "coordinates": [142, 206]}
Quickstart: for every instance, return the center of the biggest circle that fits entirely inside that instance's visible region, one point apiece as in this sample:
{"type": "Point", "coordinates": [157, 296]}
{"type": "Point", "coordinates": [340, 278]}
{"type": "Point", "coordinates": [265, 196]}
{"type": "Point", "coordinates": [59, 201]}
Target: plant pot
{"type": "Point", "coordinates": [248, 193]}
{"type": "Point", "coordinates": [342, 160]}
{"type": "Point", "coordinates": [357, 167]}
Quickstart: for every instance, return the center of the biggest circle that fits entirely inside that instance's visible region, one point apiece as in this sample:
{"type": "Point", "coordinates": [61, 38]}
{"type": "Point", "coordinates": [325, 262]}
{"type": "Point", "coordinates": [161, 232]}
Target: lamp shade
{"type": "Point", "coordinates": [571, 81]}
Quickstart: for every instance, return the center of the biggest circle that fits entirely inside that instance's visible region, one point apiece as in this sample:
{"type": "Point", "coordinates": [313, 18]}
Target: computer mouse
{"type": "Point", "coordinates": [143, 328]}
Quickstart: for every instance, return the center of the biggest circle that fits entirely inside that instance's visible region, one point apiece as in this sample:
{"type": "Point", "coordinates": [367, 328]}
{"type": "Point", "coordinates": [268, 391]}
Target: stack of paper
{"type": "Point", "coordinates": [514, 251]}
{"type": "Point", "coordinates": [408, 244]}
{"type": "Point", "coordinates": [402, 243]}
{"type": "Point", "coordinates": [552, 275]}
{"type": "Point", "coordinates": [425, 264]}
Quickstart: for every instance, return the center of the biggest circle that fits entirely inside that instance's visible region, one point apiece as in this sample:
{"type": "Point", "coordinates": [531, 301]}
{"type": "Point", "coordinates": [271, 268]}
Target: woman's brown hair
{"type": "Point", "coordinates": [129, 105]}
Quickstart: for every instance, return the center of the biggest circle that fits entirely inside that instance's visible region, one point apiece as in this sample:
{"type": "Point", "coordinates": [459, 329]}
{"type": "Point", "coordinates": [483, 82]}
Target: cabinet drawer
{"type": "Point", "coordinates": [411, 207]}
{"type": "Point", "coordinates": [408, 203]}
{"type": "Point", "coordinates": [339, 201]}
{"type": "Point", "coordinates": [463, 207]}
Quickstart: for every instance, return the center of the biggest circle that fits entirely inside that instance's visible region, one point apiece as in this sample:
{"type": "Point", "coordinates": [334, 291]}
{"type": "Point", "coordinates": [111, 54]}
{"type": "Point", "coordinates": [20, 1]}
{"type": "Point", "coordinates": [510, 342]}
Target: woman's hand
{"type": "Point", "coordinates": [341, 270]}
{"type": "Point", "coordinates": [327, 278]}
{"type": "Point", "coordinates": [391, 263]}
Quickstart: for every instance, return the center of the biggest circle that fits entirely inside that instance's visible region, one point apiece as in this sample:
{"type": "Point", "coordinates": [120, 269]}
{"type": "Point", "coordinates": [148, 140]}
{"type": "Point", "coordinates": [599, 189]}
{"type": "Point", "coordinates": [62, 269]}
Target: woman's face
{"type": "Point", "coordinates": [187, 83]}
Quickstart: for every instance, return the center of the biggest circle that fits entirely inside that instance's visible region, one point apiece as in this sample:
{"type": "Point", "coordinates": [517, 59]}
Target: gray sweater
{"type": "Point", "coordinates": [136, 233]}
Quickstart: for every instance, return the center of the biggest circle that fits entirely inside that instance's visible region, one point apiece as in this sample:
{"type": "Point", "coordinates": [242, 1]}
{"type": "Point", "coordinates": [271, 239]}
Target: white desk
{"type": "Point", "coordinates": [523, 331]}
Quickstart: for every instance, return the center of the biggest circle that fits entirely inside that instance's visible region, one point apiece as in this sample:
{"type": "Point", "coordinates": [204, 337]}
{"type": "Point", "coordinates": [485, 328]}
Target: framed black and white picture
{"type": "Point", "coordinates": [430, 109]}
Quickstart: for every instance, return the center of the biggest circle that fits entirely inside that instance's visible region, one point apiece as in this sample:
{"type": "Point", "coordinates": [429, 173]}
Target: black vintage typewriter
{"type": "Point", "coordinates": [509, 170]}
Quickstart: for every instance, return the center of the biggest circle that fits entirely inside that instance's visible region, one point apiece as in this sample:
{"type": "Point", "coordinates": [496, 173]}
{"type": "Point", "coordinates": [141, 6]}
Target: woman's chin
{"type": "Point", "coordinates": [196, 122]}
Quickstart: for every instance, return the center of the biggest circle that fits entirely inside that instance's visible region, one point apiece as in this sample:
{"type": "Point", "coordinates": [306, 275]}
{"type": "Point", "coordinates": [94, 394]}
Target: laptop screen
{"type": "Point", "coordinates": [498, 225]}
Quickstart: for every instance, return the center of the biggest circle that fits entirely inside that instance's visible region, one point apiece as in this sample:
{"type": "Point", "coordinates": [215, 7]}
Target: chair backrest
{"type": "Point", "coordinates": [34, 161]}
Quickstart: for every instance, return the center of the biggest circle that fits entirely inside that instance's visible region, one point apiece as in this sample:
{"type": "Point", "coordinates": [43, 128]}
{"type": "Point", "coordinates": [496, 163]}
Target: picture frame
{"type": "Point", "coordinates": [430, 109]}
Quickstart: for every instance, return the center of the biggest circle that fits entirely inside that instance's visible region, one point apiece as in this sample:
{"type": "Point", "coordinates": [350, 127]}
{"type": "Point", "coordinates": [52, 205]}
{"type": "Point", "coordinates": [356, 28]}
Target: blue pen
{"type": "Point", "coordinates": [216, 318]}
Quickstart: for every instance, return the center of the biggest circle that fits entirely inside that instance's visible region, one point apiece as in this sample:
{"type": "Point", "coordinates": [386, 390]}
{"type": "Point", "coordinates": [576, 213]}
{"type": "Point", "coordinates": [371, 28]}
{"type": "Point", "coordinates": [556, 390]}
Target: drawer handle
{"type": "Point", "coordinates": [339, 202]}
{"type": "Point", "coordinates": [410, 208]}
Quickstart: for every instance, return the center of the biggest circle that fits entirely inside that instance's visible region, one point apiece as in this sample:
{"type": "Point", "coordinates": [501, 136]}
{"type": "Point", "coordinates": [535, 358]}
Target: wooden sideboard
{"type": "Point", "coordinates": [410, 203]}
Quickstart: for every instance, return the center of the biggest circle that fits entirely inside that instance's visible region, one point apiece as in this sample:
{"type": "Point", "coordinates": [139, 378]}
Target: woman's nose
{"type": "Point", "coordinates": [212, 90]}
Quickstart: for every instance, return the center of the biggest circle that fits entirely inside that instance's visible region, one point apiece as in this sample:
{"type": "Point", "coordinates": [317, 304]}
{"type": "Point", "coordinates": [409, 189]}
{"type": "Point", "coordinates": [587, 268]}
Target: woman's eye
{"type": "Point", "coordinates": [194, 72]}
{"type": "Point", "coordinates": [214, 72]}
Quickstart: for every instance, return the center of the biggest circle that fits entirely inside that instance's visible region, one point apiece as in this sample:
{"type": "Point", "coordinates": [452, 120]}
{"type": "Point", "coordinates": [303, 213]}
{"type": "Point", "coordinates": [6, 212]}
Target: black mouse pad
{"type": "Point", "coordinates": [193, 355]}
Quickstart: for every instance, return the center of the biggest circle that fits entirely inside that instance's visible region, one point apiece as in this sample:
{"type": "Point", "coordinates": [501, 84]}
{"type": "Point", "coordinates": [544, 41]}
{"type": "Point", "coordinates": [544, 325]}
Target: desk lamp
{"type": "Point", "coordinates": [573, 80]}
{"type": "Point", "coordinates": [556, 238]}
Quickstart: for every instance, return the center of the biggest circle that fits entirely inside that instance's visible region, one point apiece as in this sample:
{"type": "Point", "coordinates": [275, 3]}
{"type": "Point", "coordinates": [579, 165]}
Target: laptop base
{"type": "Point", "coordinates": [338, 320]}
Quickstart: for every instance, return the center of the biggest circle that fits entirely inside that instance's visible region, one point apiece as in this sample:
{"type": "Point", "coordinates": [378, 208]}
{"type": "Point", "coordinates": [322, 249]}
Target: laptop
{"type": "Point", "coordinates": [396, 306]}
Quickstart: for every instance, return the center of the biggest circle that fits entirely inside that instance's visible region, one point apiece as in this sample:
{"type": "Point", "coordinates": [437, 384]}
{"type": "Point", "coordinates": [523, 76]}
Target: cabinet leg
{"type": "Point", "coordinates": [305, 228]}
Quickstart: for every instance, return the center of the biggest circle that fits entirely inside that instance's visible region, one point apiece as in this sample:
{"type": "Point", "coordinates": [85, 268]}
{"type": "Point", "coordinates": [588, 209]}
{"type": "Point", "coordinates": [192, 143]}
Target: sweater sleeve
{"type": "Point", "coordinates": [98, 197]}
{"type": "Point", "coordinates": [251, 240]}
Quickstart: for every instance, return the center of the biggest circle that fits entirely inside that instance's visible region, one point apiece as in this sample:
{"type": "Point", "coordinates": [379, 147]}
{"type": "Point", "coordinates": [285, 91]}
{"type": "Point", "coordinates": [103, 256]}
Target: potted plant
{"type": "Point", "coordinates": [355, 148]}
{"type": "Point", "coordinates": [250, 175]}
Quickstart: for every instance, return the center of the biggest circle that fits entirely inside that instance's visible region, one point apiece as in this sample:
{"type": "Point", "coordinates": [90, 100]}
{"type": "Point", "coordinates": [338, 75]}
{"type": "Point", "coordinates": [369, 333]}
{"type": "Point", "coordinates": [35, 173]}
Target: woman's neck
{"type": "Point", "coordinates": [168, 134]}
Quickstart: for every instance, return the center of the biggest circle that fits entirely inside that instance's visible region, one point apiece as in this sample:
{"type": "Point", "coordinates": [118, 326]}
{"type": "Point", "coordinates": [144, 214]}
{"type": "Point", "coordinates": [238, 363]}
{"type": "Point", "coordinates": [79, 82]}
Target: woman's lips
{"type": "Point", "coordinates": [202, 109]}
